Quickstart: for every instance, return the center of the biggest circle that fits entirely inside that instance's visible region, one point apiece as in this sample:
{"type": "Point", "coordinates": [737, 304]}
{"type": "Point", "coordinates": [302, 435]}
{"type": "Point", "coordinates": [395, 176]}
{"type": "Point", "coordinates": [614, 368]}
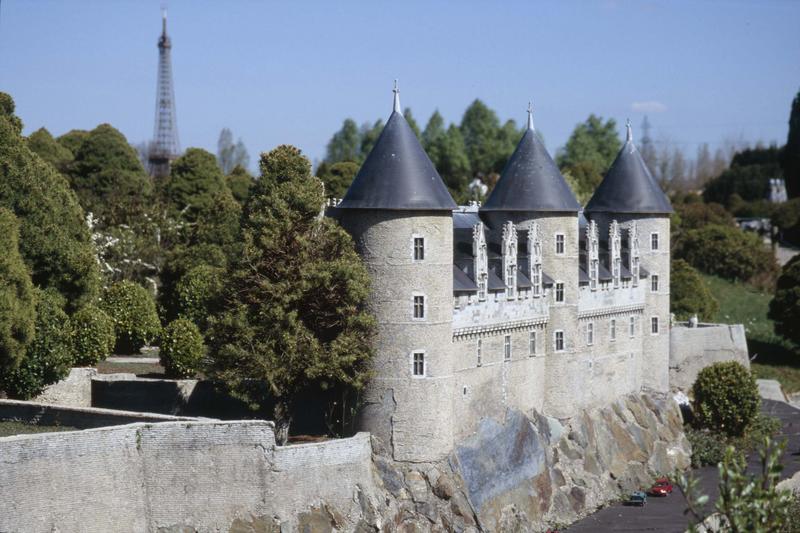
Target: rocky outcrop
{"type": "Point", "coordinates": [526, 473]}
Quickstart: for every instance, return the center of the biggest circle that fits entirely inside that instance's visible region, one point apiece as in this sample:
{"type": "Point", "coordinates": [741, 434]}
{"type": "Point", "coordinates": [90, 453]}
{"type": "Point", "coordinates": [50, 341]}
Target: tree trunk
{"type": "Point", "coordinates": [283, 419]}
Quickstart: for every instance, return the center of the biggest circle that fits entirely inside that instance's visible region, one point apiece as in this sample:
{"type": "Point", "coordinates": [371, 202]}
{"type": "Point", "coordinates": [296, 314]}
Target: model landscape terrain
{"type": "Point", "coordinates": [446, 328]}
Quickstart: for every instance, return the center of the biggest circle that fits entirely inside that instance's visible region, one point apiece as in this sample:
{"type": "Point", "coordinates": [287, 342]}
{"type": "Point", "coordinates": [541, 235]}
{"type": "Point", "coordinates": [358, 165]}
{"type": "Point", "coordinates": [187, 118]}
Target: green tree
{"type": "Point", "coordinates": [229, 154]}
{"type": "Point", "coordinates": [54, 240]}
{"type": "Point", "coordinates": [412, 123]}
{"type": "Point", "coordinates": [133, 311]}
{"type": "Point", "coordinates": [434, 130]}
{"type": "Point", "coordinates": [194, 180]}
{"type": "Point", "coordinates": [698, 215]}
{"type": "Point", "coordinates": [369, 136]}
{"type": "Point", "coordinates": [784, 308]}
{"type": "Point", "coordinates": [239, 182]}
{"type": "Point", "coordinates": [93, 336]}
{"type": "Point", "coordinates": [198, 294]}
{"type": "Point", "coordinates": [790, 159]}
{"type": "Point", "coordinates": [72, 140]}
{"type": "Point", "coordinates": [338, 177]}
{"type": "Point", "coordinates": [480, 128]}
{"type": "Point", "coordinates": [182, 349]}
{"type": "Point", "coordinates": [345, 145]}
{"type": "Point", "coordinates": [689, 295]}
{"type": "Point", "coordinates": [727, 252]}
{"type": "Point", "coordinates": [589, 152]}
{"type": "Point", "coordinates": [108, 177]}
{"type": "Point", "coordinates": [17, 301]}
{"type": "Point", "coordinates": [49, 357]}
{"type": "Point", "coordinates": [748, 176]}
{"type": "Point", "coordinates": [293, 317]}
{"type": "Point", "coordinates": [726, 398]}
{"type": "Point", "coordinates": [449, 155]}
{"type": "Point", "coordinates": [43, 144]}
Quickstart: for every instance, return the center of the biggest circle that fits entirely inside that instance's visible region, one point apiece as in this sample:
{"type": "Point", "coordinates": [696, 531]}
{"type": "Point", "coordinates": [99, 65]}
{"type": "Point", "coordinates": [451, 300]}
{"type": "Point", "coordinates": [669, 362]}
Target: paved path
{"type": "Point", "coordinates": [666, 514]}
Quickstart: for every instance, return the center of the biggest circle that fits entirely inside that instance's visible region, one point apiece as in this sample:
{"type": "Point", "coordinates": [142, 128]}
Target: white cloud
{"type": "Point", "coordinates": [651, 106]}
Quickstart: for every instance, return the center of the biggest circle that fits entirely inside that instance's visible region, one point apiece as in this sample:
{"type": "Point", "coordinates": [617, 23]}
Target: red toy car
{"type": "Point", "coordinates": [662, 487]}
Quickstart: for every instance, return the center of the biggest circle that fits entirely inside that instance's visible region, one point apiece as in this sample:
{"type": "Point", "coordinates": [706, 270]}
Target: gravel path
{"type": "Point", "coordinates": [666, 514]}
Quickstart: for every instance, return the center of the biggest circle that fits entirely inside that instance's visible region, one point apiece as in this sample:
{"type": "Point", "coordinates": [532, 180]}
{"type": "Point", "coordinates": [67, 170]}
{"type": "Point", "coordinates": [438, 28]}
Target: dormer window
{"type": "Point", "coordinates": [419, 248]}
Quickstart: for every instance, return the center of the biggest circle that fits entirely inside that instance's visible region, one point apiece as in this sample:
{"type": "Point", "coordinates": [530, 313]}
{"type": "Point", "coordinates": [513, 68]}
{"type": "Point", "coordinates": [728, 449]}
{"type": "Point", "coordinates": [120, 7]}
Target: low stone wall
{"type": "Point", "coordinates": [178, 476]}
{"type": "Point", "coordinates": [76, 417]}
{"type": "Point", "coordinates": [75, 389]}
{"type": "Point", "coordinates": [692, 349]}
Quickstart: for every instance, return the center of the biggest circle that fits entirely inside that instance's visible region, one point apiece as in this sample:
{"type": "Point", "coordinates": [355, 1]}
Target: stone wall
{"type": "Point", "coordinates": [75, 389]}
{"type": "Point", "coordinates": [692, 349]}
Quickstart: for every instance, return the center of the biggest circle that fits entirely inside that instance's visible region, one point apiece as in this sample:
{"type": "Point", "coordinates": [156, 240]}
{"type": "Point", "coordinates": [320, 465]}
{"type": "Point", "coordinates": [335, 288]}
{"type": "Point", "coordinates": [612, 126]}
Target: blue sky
{"type": "Point", "coordinates": [290, 72]}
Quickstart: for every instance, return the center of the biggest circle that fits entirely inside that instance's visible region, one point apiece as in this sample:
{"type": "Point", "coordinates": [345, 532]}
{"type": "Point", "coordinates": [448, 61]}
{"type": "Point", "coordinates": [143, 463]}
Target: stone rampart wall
{"type": "Point", "coordinates": [208, 476]}
{"type": "Point", "coordinates": [75, 389]}
{"type": "Point", "coordinates": [692, 349]}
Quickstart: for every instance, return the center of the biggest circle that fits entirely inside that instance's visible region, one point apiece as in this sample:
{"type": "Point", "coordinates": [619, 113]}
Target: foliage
{"type": "Point", "coordinates": [689, 295]}
{"type": "Point", "coordinates": [93, 335]}
{"type": "Point", "coordinates": [198, 293]}
{"type": "Point", "coordinates": [177, 263]}
{"type": "Point", "coordinates": [46, 147]}
{"type": "Point", "coordinates": [53, 239]}
{"type": "Point", "coordinates": [48, 358]}
{"type": "Point", "coordinates": [17, 300]}
{"type": "Point", "coordinates": [412, 122]}
{"type": "Point", "coordinates": [182, 349]}
{"type": "Point", "coordinates": [784, 308]}
{"type": "Point", "coordinates": [748, 176]}
{"type": "Point", "coordinates": [194, 180]}
{"type": "Point", "coordinates": [230, 155]}
{"type": "Point", "coordinates": [345, 145]}
{"type": "Point", "coordinates": [696, 215]}
{"type": "Point", "coordinates": [133, 311]}
{"type": "Point", "coordinates": [485, 148]}
{"type": "Point", "coordinates": [589, 152]}
{"type": "Point", "coordinates": [369, 136]}
{"type": "Point", "coordinates": [708, 447]}
{"type": "Point", "coordinates": [293, 318]}
{"type": "Point", "coordinates": [108, 177]}
{"type": "Point", "coordinates": [239, 182]}
{"type": "Point", "coordinates": [727, 252]}
{"type": "Point", "coordinates": [73, 139]}
{"type": "Point", "coordinates": [726, 398]}
{"type": "Point", "coordinates": [748, 503]}
{"type": "Point", "coordinates": [448, 153]}
{"type": "Point", "coordinates": [337, 177]}
{"type": "Point", "coordinates": [790, 159]}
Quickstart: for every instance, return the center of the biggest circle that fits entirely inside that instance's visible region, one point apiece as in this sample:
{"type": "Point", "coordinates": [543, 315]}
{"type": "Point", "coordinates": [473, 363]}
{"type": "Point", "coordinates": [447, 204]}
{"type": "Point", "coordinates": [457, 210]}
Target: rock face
{"type": "Point", "coordinates": [526, 473]}
{"type": "Point", "coordinates": [692, 349]}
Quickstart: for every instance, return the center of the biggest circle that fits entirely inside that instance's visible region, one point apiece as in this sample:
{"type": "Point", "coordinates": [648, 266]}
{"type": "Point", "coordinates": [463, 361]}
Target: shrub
{"type": "Point", "coordinates": [92, 336]}
{"type": "Point", "coordinates": [784, 308]}
{"type": "Point", "coordinates": [133, 311]}
{"type": "Point", "coordinates": [726, 398]}
{"type": "Point", "coordinates": [17, 300]}
{"type": "Point", "coordinates": [708, 447]}
{"type": "Point", "coordinates": [182, 349]}
{"type": "Point", "coordinates": [198, 293]}
{"type": "Point", "coordinates": [727, 252]}
{"type": "Point", "coordinates": [49, 357]}
{"type": "Point", "coordinates": [688, 293]}
{"type": "Point", "coordinates": [697, 215]}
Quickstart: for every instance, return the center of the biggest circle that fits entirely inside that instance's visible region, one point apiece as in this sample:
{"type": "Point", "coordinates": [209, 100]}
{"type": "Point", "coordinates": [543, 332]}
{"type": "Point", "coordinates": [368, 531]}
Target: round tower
{"type": "Point", "coordinates": [531, 188]}
{"type": "Point", "coordinates": [399, 214]}
{"type": "Point", "coordinates": [629, 193]}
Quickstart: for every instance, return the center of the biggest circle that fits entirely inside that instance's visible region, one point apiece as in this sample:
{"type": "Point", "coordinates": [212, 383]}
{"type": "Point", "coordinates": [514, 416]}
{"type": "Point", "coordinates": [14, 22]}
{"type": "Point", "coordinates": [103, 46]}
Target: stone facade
{"type": "Point", "coordinates": [694, 348]}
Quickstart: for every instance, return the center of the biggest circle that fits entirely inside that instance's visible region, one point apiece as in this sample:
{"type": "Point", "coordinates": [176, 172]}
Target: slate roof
{"type": "Point", "coordinates": [628, 187]}
{"type": "Point", "coordinates": [462, 282]}
{"type": "Point", "coordinates": [398, 175]}
{"type": "Point", "coordinates": [531, 181]}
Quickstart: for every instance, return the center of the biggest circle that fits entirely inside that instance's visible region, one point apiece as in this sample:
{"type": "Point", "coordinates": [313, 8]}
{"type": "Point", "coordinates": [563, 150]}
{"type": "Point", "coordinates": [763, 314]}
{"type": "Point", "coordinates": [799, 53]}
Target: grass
{"type": "Point", "coordinates": [12, 427]}
{"type": "Point", "coordinates": [149, 370]}
{"type": "Point", "coordinates": [739, 303]}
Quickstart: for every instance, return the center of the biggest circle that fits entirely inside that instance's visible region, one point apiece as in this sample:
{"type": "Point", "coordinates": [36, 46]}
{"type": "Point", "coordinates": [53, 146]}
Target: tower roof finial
{"type": "Point", "coordinates": [629, 133]}
{"type": "Point", "coordinates": [530, 115]}
{"type": "Point", "coordinates": [396, 92]}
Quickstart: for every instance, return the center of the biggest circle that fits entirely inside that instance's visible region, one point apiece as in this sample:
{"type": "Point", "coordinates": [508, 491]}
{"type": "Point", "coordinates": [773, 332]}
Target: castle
{"type": "Point", "coordinates": [526, 302]}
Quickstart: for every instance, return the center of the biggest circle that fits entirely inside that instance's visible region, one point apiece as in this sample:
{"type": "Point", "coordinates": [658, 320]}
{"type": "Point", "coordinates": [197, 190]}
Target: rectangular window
{"type": "Point", "coordinates": [419, 364]}
{"type": "Point", "coordinates": [532, 343]}
{"type": "Point", "coordinates": [559, 292]}
{"type": "Point", "coordinates": [559, 341]}
{"type": "Point", "coordinates": [559, 244]}
{"type": "Point", "coordinates": [479, 349]}
{"type": "Point", "coordinates": [654, 283]}
{"type": "Point", "coordinates": [654, 325]}
{"type": "Point", "coordinates": [633, 326]}
{"type": "Point", "coordinates": [654, 241]}
{"type": "Point", "coordinates": [590, 333]}
{"type": "Point", "coordinates": [507, 348]}
{"type": "Point", "coordinates": [419, 307]}
{"type": "Point", "coordinates": [419, 248]}
{"type": "Point", "coordinates": [613, 333]}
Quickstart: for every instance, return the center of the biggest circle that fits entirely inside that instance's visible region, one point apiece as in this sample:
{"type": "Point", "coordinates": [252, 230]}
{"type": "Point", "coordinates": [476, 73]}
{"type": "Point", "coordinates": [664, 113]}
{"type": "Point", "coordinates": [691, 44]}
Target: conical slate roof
{"type": "Point", "coordinates": [531, 180]}
{"type": "Point", "coordinates": [398, 174]}
{"type": "Point", "coordinates": [628, 186]}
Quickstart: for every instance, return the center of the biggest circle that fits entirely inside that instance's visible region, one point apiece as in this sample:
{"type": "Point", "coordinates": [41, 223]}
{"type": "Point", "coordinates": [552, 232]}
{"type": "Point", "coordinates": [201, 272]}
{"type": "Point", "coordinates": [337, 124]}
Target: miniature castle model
{"type": "Point", "coordinates": [522, 303]}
